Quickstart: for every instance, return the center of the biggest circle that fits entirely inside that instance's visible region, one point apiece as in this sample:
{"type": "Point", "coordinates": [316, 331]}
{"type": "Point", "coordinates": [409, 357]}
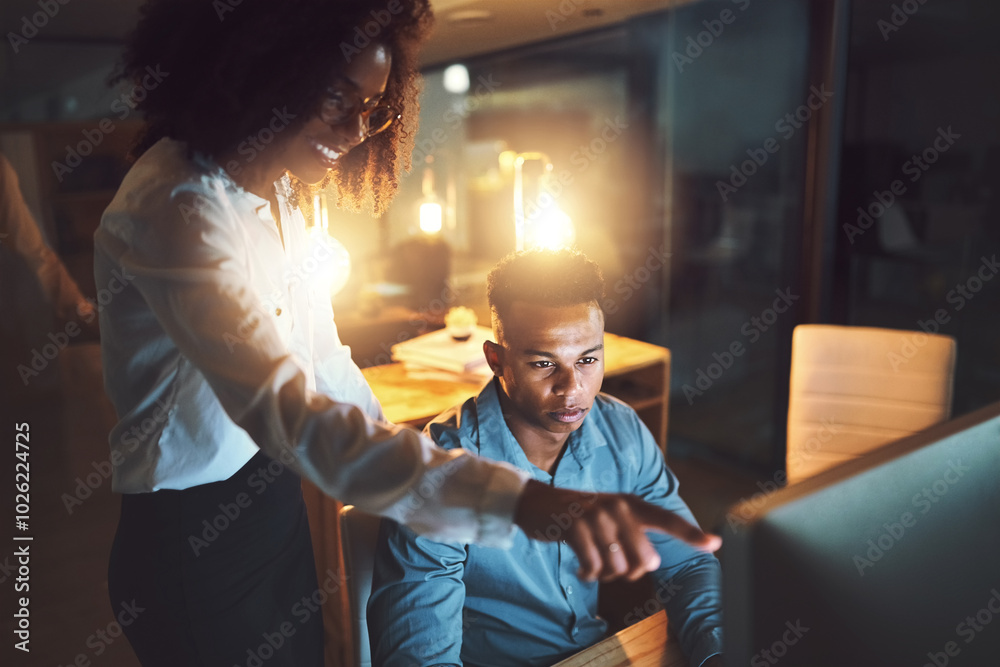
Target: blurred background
{"type": "Point", "coordinates": [679, 144]}
{"type": "Point", "coordinates": [736, 167]}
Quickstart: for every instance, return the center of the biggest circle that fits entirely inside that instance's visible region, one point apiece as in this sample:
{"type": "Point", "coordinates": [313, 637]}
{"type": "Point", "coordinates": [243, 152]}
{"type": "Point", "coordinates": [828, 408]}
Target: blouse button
{"type": "Point", "coordinates": [277, 311]}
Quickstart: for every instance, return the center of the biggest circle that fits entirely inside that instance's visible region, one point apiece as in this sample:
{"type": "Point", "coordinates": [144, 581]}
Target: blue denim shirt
{"type": "Point", "coordinates": [438, 603]}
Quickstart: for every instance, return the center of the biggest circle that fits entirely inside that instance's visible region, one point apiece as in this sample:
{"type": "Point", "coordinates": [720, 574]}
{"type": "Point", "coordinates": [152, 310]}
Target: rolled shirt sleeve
{"type": "Point", "coordinates": [186, 261]}
{"type": "Point", "coordinates": [415, 616]}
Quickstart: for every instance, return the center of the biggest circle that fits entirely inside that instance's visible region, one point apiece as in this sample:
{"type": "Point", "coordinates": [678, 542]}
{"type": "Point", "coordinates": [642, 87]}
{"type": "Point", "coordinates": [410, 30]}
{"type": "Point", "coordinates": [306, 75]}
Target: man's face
{"type": "Point", "coordinates": [550, 363]}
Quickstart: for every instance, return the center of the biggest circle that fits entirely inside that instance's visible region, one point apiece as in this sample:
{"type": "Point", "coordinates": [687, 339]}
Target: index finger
{"type": "Point", "coordinates": [656, 518]}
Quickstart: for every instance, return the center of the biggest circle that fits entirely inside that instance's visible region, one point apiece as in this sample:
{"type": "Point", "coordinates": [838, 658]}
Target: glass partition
{"type": "Point", "coordinates": [671, 150]}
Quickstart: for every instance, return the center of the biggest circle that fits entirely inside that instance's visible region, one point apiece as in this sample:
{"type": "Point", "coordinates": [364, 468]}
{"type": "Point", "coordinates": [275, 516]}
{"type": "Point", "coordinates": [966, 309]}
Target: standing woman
{"type": "Point", "coordinates": [221, 356]}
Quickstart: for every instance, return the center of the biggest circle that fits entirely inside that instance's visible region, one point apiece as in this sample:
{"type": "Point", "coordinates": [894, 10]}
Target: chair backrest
{"type": "Point", "coordinates": [854, 389]}
{"type": "Point", "coordinates": [359, 534]}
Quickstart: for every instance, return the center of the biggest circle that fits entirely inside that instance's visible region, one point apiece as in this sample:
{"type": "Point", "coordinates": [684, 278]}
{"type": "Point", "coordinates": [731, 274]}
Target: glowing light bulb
{"type": "Point", "coordinates": [430, 217]}
{"type": "Point", "coordinates": [456, 79]}
{"type": "Point", "coordinates": [551, 229]}
{"type": "Point", "coordinates": [327, 261]}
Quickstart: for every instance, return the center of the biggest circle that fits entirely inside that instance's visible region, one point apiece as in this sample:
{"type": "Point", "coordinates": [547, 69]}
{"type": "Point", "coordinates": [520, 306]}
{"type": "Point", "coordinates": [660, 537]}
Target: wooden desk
{"type": "Point", "coordinates": [644, 644]}
{"type": "Point", "coordinates": [636, 372]}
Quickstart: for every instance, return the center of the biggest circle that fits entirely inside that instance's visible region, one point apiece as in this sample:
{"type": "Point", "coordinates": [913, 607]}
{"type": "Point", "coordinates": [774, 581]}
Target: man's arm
{"type": "Point", "coordinates": [688, 580]}
{"type": "Point", "coordinates": [415, 609]}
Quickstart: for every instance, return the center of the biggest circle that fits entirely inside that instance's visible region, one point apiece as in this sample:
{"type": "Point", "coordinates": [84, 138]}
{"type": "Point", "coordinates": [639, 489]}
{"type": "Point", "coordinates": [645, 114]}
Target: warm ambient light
{"type": "Point", "coordinates": [538, 220]}
{"type": "Point", "coordinates": [431, 213]}
{"type": "Point", "coordinates": [550, 229]}
{"type": "Point", "coordinates": [327, 260]}
{"type": "Point", "coordinates": [456, 79]}
{"type": "Point", "coordinates": [430, 217]}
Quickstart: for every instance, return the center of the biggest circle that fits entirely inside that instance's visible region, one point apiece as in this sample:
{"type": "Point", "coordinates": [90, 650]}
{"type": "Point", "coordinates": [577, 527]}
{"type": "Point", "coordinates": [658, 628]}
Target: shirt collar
{"type": "Point", "coordinates": [496, 441]}
{"type": "Point", "coordinates": [260, 205]}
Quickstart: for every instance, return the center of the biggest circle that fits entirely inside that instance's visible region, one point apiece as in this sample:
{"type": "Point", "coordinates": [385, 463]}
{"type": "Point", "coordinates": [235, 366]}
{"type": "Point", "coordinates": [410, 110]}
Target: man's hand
{"type": "Point", "coordinates": [607, 531]}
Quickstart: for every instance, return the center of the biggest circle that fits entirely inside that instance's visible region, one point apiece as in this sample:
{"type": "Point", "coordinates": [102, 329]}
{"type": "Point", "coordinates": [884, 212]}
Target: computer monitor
{"type": "Point", "coordinates": [891, 559]}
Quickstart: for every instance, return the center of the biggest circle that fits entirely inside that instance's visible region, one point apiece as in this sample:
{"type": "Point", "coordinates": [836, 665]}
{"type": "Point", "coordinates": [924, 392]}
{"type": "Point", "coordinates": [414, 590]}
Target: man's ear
{"type": "Point", "coordinates": [493, 352]}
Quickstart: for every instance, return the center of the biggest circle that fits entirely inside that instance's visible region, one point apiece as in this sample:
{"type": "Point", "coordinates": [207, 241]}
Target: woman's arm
{"type": "Point", "coordinates": [187, 258]}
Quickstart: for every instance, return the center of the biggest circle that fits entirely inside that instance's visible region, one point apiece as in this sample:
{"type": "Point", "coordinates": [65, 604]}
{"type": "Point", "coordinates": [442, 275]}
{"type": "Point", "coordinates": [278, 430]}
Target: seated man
{"type": "Point", "coordinates": [453, 604]}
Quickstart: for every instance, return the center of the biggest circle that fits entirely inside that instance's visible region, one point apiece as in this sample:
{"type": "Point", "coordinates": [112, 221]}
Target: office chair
{"type": "Point", "coordinates": [854, 389]}
{"type": "Point", "coordinates": [359, 533]}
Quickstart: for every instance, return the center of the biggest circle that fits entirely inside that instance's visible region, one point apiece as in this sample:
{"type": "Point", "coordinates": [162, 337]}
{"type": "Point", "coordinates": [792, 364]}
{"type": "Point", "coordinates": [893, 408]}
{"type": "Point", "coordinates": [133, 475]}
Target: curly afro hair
{"type": "Point", "coordinates": [554, 278]}
{"type": "Point", "coordinates": [227, 64]}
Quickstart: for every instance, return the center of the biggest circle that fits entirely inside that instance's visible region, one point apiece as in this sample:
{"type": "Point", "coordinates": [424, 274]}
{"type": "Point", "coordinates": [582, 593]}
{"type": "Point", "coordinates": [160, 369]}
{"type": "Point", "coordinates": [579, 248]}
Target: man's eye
{"type": "Point", "coordinates": [541, 364]}
{"type": "Point", "coordinates": [588, 360]}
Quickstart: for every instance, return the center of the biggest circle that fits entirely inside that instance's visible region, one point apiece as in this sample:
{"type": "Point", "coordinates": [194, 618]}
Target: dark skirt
{"type": "Point", "coordinates": [219, 575]}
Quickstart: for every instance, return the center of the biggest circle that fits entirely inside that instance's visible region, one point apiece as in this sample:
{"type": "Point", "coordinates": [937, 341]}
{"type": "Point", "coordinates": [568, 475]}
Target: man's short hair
{"type": "Point", "coordinates": [544, 277]}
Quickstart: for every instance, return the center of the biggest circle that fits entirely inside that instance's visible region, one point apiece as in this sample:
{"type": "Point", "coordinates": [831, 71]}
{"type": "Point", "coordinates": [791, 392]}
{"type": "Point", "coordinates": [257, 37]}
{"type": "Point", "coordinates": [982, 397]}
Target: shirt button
{"type": "Point", "coordinates": [569, 590]}
{"type": "Point", "coordinates": [576, 631]}
{"type": "Point", "coordinates": [277, 311]}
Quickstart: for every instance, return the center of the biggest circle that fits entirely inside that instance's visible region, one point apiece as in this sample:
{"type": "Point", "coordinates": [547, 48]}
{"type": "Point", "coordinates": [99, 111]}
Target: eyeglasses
{"type": "Point", "coordinates": [340, 105]}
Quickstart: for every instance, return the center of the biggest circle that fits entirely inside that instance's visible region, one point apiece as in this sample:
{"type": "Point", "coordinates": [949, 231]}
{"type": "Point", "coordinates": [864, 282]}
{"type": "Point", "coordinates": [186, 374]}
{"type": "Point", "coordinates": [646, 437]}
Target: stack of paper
{"type": "Point", "coordinates": [439, 350]}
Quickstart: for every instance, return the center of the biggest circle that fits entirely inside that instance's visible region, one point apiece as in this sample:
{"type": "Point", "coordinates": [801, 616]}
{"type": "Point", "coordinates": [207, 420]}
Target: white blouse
{"type": "Point", "coordinates": [216, 342]}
